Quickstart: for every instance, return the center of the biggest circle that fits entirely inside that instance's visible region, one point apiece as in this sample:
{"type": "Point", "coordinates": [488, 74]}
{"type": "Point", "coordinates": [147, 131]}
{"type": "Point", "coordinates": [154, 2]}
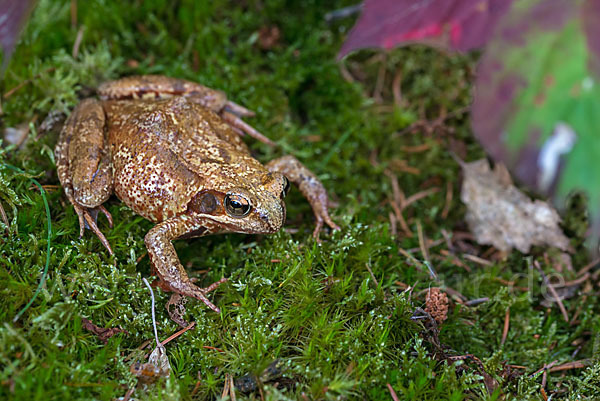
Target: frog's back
{"type": "Point", "coordinates": [165, 151]}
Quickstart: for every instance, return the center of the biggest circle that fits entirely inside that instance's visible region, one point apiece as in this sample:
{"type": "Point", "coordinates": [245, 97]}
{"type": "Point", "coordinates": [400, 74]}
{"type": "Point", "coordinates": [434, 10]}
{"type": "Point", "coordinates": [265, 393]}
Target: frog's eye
{"type": "Point", "coordinates": [237, 205]}
{"type": "Point", "coordinates": [286, 187]}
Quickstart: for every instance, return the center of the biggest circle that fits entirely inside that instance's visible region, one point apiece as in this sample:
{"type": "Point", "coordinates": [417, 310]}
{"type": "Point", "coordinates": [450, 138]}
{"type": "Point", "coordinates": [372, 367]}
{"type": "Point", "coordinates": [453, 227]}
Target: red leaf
{"type": "Point", "coordinates": [453, 24]}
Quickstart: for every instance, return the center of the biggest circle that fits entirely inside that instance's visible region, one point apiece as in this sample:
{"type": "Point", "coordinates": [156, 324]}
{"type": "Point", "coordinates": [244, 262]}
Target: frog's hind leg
{"type": "Point", "coordinates": [83, 165]}
{"type": "Point", "coordinates": [165, 262]}
{"type": "Point", "coordinates": [158, 86]}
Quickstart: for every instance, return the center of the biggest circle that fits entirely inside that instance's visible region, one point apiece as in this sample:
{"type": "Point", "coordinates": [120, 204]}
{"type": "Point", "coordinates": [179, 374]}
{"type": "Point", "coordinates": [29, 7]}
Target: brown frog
{"type": "Point", "coordinates": [171, 150]}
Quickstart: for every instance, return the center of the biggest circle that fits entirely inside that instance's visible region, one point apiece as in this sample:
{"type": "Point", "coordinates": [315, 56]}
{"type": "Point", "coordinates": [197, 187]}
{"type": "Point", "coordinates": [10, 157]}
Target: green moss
{"type": "Point", "coordinates": [339, 332]}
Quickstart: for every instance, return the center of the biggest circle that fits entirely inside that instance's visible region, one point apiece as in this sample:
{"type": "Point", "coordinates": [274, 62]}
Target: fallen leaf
{"type": "Point", "coordinates": [156, 367]}
{"type": "Point", "coordinates": [176, 309]}
{"type": "Point", "coordinates": [459, 25]}
{"type": "Point", "coordinates": [102, 333]}
{"type": "Point", "coordinates": [500, 215]}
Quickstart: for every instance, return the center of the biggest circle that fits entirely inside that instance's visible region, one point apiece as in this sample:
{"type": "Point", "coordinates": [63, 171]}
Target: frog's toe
{"type": "Point", "coordinates": [107, 214]}
{"type": "Point", "coordinates": [238, 109]}
{"type": "Point", "coordinates": [88, 218]}
{"type": "Point", "coordinates": [323, 217]}
{"type": "Point", "coordinates": [240, 125]}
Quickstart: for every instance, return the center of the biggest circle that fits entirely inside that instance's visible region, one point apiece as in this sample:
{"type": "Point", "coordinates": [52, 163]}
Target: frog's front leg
{"type": "Point", "coordinates": [310, 186]}
{"type": "Point", "coordinates": [165, 262]}
{"type": "Point", "coordinates": [159, 86]}
{"type": "Point", "coordinates": [84, 165]}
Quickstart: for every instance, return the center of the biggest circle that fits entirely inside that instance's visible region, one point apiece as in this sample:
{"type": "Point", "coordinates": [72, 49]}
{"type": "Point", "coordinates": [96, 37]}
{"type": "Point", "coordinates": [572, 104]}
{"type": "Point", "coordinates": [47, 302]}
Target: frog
{"type": "Point", "coordinates": [172, 151]}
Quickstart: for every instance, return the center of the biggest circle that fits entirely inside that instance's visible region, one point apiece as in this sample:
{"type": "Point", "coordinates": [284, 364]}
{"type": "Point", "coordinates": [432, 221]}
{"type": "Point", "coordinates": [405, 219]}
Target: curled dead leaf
{"type": "Point", "coordinates": [102, 333]}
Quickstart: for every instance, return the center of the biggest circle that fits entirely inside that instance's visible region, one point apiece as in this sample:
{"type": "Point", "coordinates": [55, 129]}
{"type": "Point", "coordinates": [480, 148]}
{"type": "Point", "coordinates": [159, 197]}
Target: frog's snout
{"type": "Point", "coordinates": [272, 218]}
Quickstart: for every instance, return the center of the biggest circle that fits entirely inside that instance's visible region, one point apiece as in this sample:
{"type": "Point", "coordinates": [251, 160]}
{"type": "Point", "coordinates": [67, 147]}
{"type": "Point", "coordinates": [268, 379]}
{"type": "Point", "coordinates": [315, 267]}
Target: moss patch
{"type": "Point", "coordinates": [338, 331]}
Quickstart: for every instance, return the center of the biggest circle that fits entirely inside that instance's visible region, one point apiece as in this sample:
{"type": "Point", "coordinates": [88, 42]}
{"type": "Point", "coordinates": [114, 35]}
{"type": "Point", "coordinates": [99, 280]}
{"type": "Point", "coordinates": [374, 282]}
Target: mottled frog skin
{"type": "Point", "coordinates": [172, 151]}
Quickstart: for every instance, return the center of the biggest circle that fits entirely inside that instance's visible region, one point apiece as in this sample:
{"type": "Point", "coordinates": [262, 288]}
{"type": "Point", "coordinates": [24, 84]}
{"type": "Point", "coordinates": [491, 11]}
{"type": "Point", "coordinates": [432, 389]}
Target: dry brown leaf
{"type": "Point", "coordinates": [102, 333]}
{"type": "Point", "coordinates": [500, 215]}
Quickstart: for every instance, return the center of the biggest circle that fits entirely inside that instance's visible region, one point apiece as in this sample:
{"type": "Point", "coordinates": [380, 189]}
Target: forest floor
{"type": "Point", "coordinates": [339, 319]}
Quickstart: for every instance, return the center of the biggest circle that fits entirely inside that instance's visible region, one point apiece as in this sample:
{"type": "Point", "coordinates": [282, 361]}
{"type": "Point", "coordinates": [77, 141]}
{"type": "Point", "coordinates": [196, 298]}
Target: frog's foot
{"type": "Point", "coordinates": [240, 125]}
{"type": "Point", "coordinates": [176, 304]}
{"type": "Point", "coordinates": [322, 215]}
{"type": "Point", "coordinates": [88, 219]}
{"type": "Point", "coordinates": [310, 186]}
{"type": "Point", "coordinates": [200, 294]}
{"type": "Point", "coordinates": [187, 289]}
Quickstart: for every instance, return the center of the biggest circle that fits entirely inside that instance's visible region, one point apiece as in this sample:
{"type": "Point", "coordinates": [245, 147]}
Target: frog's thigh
{"type": "Point", "coordinates": [159, 86]}
{"type": "Point", "coordinates": [89, 157]}
{"type": "Point", "coordinates": [310, 186]}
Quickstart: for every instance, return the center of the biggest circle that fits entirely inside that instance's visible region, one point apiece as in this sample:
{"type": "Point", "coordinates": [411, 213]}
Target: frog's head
{"type": "Point", "coordinates": [252, 209]}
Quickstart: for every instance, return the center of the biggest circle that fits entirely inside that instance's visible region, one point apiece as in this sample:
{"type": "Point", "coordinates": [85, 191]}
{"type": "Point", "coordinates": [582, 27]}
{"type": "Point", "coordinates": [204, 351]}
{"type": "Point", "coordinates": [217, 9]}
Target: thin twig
{"type": "Point", "coordinates": [476, 301]}
{"type": "Point", "coordinates": [587, 267]}
{"type": "Point", "coordinates": [448, 202]}
{"type": "Point", "coordinates": [398, 202]}
{"type": "Point", "coordinates": [77, 43]}
{"type": "Point", "coordinates": [197, 386]}
{"type": "Point", "coordinates": [396, 88]}
{"type": "Point", "coordinates": [177, 334]}
{"type": "Point", "coordinates": [460, 298]}
{"type": "Point", "coordinates": [129, 393]}
{"type": "Point", "coordinates": [73, 13]}
{"type": "Point", "coordinates": [346, 74]}
{"type": "Point", "coordinates": [582, 363]}
{"type": "Point", "coordinates": [546, 366]}
{"type": "Point", "coordinates": [393, 226]}
{"type": "Point", "coordinates": [392, 392]}
{"type": "Point", "coordinates": [231, 388]}
{"type": "Point", "coordinates": [415, 149]}
{"type": "Point", "coordinates": [4, 217]}
{"type": "Point", "coordinates": [557, 299]}
{"type": "Point", "coordinates": [27, 81]}
{"type": "Point", "coordinates": [477, 259]}
{"type": "Point", "coordinates": [212, 348]}
{"type": "Point", "coordinates": [225, 387]}
{"type": "Point", "coordinates": [418, 265]}
{"type": "Point", "coordinates": [455, 260]}
{"type": "Point", "coordinates": [418, 196]}
{"type": "Point", "coordinates": [371, 273]}
{"type": "Point", "coordinates": [430, 244]}
{"type": "Point", "coordinates": [380, 80]}
{"type": "Point", "coordinates": [575, 282]}
{"type": "Point", "coordinates": [506, 326]}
